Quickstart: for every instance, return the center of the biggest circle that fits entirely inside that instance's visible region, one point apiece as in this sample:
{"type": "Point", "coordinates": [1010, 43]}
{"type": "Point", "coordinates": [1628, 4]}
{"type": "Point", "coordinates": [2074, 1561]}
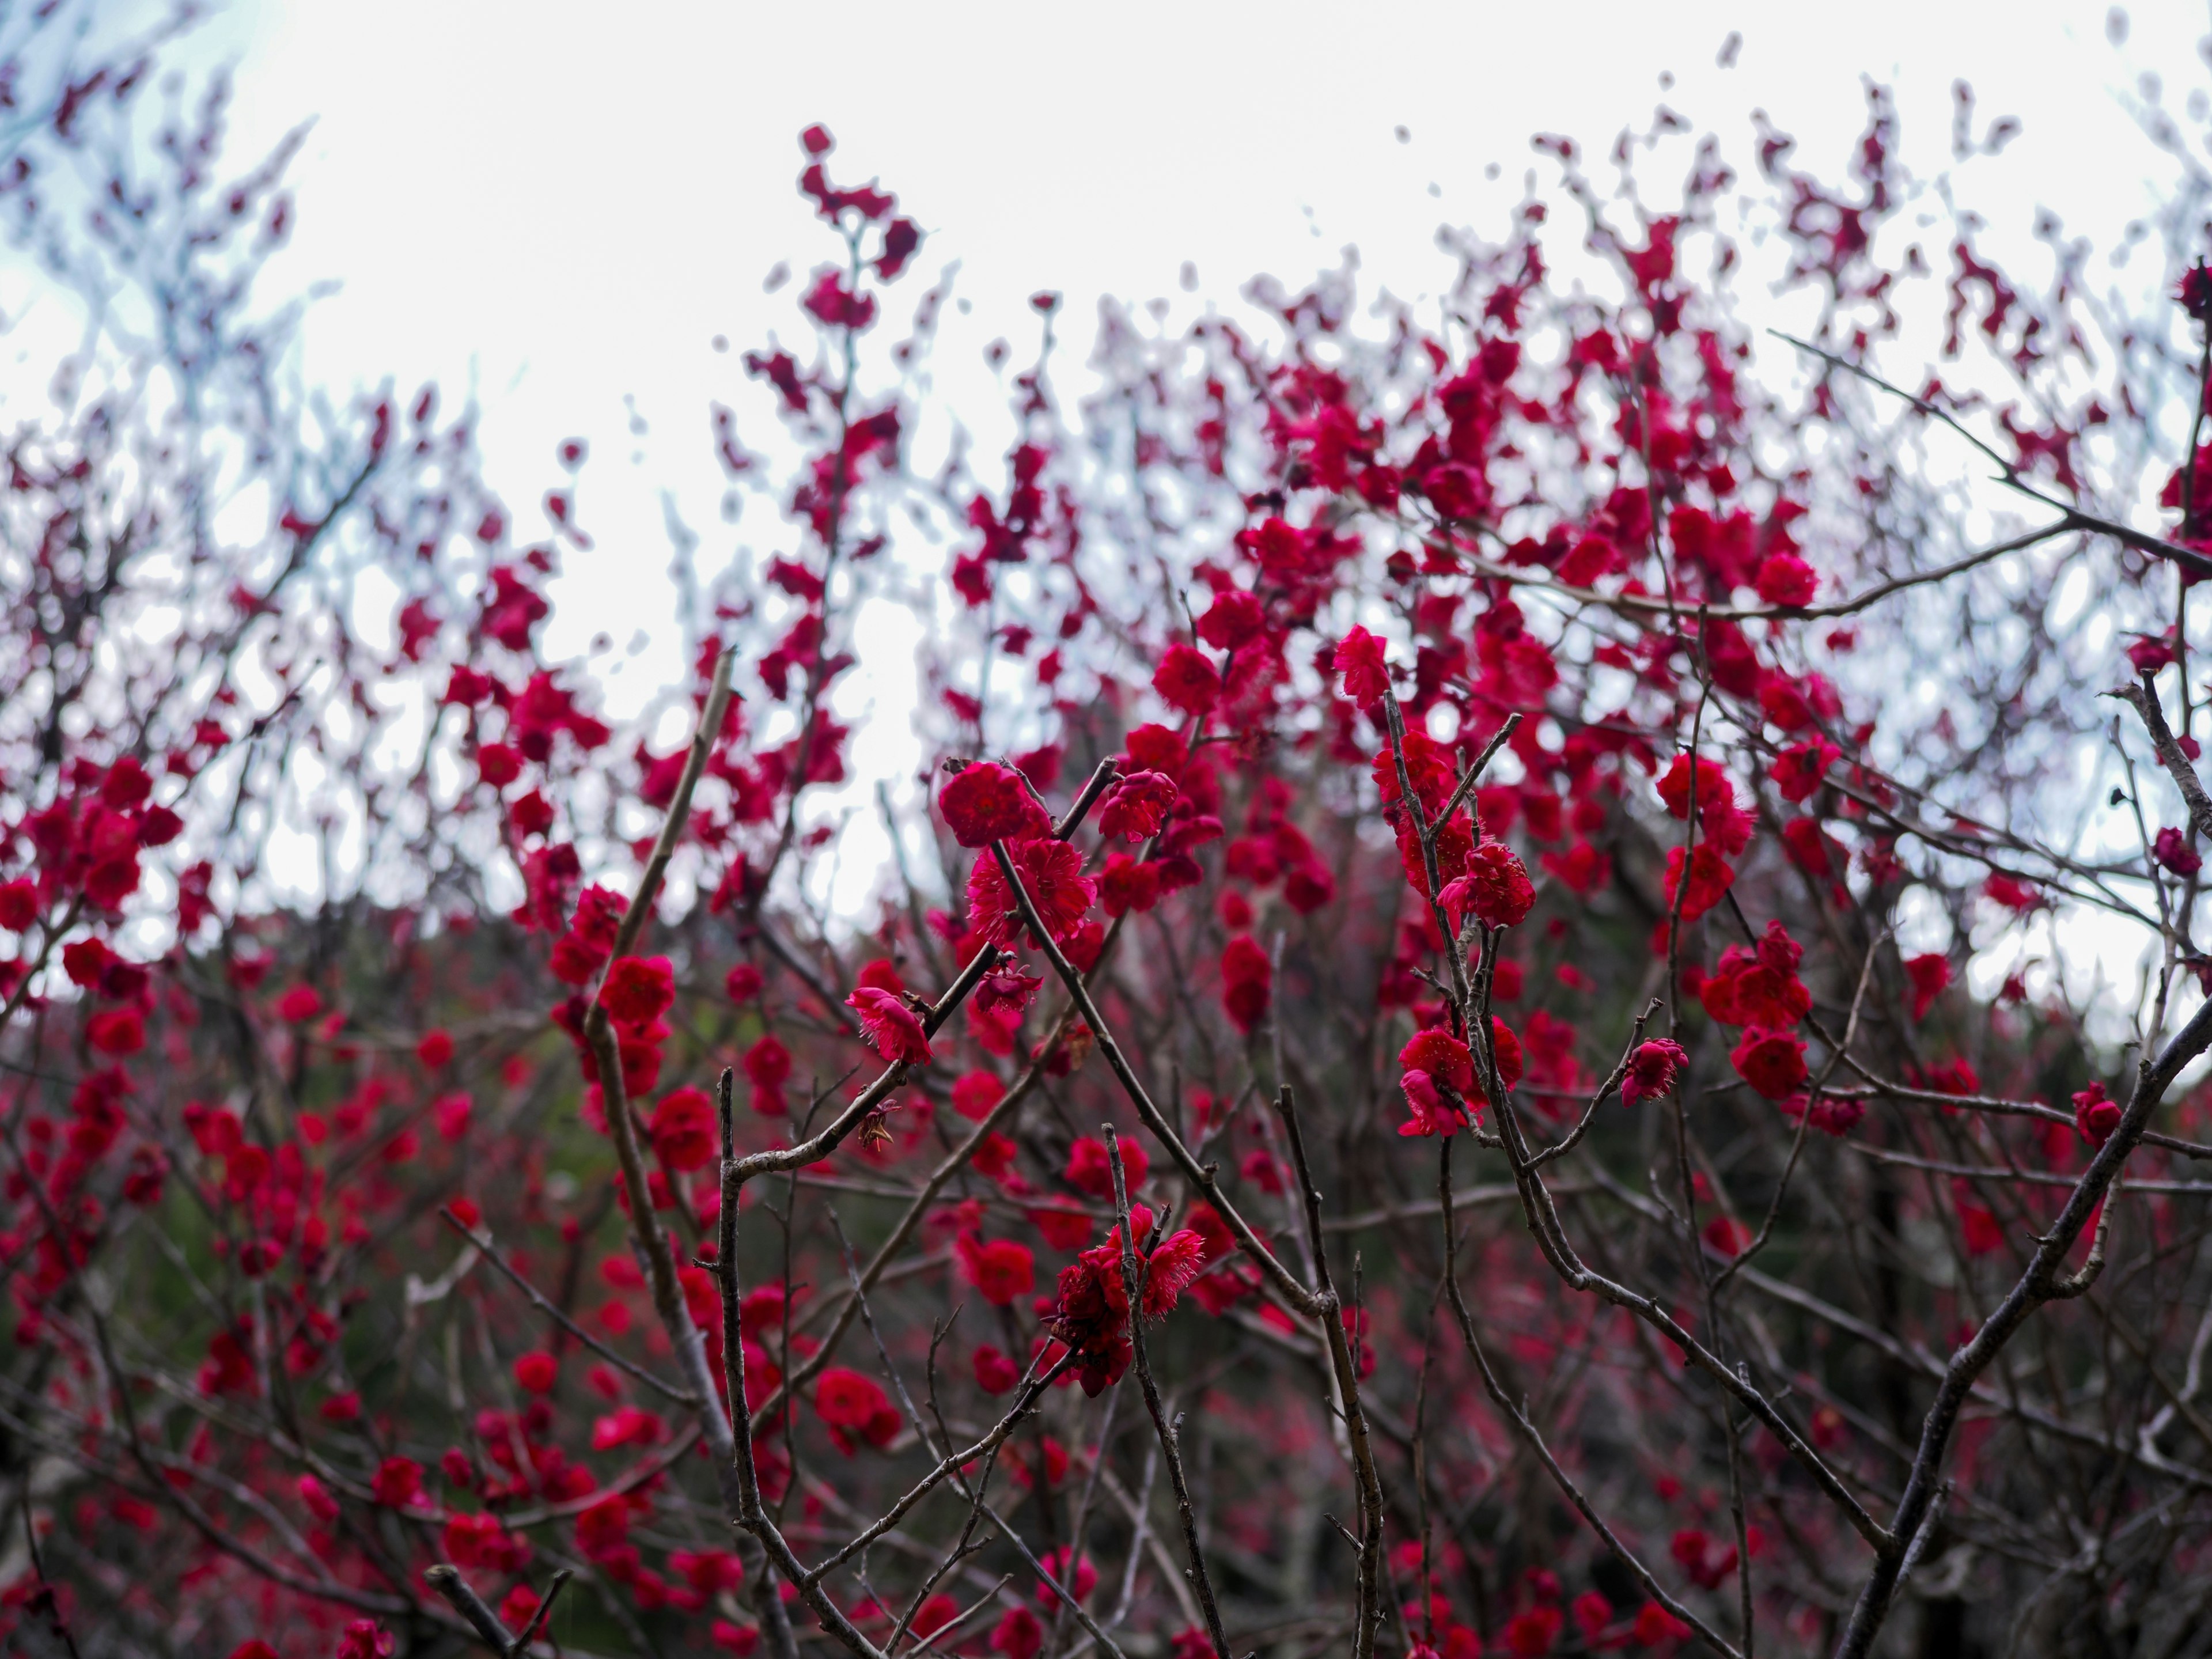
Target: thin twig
{"type": "Point", "coordinates": [446, 1580]}
{"type": "Point", "coordinates": [1134, 1274]}
{"type": "Point", "coordinates": [2142, 697]}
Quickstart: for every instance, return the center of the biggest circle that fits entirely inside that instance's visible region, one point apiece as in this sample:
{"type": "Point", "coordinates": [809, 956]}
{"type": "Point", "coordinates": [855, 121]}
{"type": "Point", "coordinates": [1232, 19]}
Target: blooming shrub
{"type": "Point", "coordinates": [1311, 1148]}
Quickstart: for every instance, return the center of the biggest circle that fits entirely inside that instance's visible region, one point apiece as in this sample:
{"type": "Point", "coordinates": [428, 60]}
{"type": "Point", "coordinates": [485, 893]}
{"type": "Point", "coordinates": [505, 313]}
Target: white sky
{"type": "Point", "coordinates": [561, 209]}
{"type": "Point", "coordinates": [560, 205]}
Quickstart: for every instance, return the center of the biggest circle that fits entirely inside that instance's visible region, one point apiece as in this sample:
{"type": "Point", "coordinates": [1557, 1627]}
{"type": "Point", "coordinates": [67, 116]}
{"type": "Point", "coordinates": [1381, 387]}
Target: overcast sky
{"type": "Point", "coordinates": [562, 211]}
{"type": "Point", "coordinates": [560, 205]}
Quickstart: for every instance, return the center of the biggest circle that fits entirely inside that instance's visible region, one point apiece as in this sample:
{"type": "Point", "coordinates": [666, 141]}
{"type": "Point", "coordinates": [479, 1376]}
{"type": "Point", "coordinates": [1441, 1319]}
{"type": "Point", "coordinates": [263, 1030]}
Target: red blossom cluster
{"type": "Point", "coordinates": [1091, 1315]}
{"type": "Point", "coordinates": [1366, 742]}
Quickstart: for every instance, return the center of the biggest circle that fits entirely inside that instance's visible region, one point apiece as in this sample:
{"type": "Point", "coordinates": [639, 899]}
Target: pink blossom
{"type": "Point", "coordinates": [890, 1026]}
{"type": "Point", "coordinates": [1652, 1070]}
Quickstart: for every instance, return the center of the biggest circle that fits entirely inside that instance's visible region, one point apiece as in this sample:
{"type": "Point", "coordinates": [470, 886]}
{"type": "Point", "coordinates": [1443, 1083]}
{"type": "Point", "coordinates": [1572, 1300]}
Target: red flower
{"type": "Point", "coordinates": [1809, 848]}
{"type": "Point", "coordinates": [1174, 1263]}
{"type": "Point", "coordinates": [598, 921]}
{"type": "Point", "coordinates": [1007, 991]}
{"type": "Point", "coordinates": [365, 1639]}
{"type": "Point", "coordinates": [742, 983]}
{"type": "Point", "coordinates": [1712, 782]}
{"type": "Point", "coordinates": [1929, 974]}
{"type": "Point", "coordinates": [1435, 1058]}
{"type": "Point", "coordinates": [1512, 1062]}
{"type": "Point", "coordinates": [984, 802]}
{"type": "Point", "coordinates": [1530, 1635]}
{"type": "Point", "coordinates": [603, 1527]}
{"type": "Point", "coordinates": [1018, 1636]}
{"type": "Point", "coordinates": [768, 1068]}
{"type": "Point", "coordinates": [2094, 1116]}
{"type": "Point", "coordinates": [627, 1425]}
{"type": "Point", "coordinates": [1248, 981]}
{"type": "Point", "coordinates": [1063, 1227]}
{"type": "Point", "coordinates": [1359, 659]}
{"type": "Point", "coordinates": [1051, 872]}
{"type": "Point", "coordinates": [1090, 1168]}
{"type": "Point", "coordinates": [398, 1483]}
{"type": "Point", "coordinates": [1156, 748]}
{"type": "Point", "coordinates": [2149, 656]}
{"type": "Point", "coordinates": [316, 1496]}
{"type": "Point", "coordinates": [1798, 770]}
{"type": "Point", "coordinates": [533, 814]}
{"type": "Point", "coordinates": [1787, 580]}
{"type": "Point", "coordinates": [889, 1026]}
{"type": "Point", "coordinates": [851, 1404]}
{"type": "Point", "coordinates": [1496, 888]}
{"type": "Point", "coordinates": [685, 1136]}
{"type": "Point", "coordinates": [498, 765]}
{"type": "Point", "coordinates": [1082, 943]}
{"type": "Point", "coordinates": [2171, 847]}
{"type": "Point", "coordinates": [975, 1094]}
{"type": "Point", "coordinates": [1830, 1117]}
{"type": "Point", "coordinates": [1783, 702]}
{"type": "Point", "coordinates": [1234, 618]}
{"type": "Point", "coordinates": [933, 1615]}
{"type": "Point", "coordinates": [19, 905]}
{"type": "Point", "coordinates": [536, 1371]}
{"type": "Point", "coordinates": [1137, 806]}
{"type": "Point", "coordinates": [1454, 846]}
{"type": "Point", "coordinates": [1705, 1558]}
{"type": "Point", "coordinates": [1759, 987]}
{"type": "Point", "coordinates": [1977, 1223]}
{"type": "Point", "coordinates": [1428, 764]}
{"type": "Point", "coordinates": [1001, 1270]}
{"type": "Point", "coordinates": [1077, 1584]}
{"type": "Point", "coordinates": [573, 961]}
{"type": "Point", "coordinates": [993, 1157]}
{"type": "Point", "coordinates": [1432, 1115]}
{"type": "Point", "coordinates": [1583, 869]}
{"type": "Point", "coordinates": [481, 1542]}
{"type": "Point", "coordinates": [1308, 886]}
{"type": "Point", "coordinates": [299, 1005]}
{"type": "Point", "coordinates": [1726, 823]}
{"type": "Point", "coordinates": [1186, 680]}
{"type": "Point", "coordinates": [85, 961]}
{"type": "Point", "coordinates": [117, 1032]}
{"type": "Point", "coordinates": [435, 1049]}
{"type": "Point", "coordinates": [837, 307]}
{"type": "Point", "coordinates": [996, 1374]}
{"type": "Point", "coordinates": [1954, 1076]}
{"type": "Point", "coordinates": [1593, 1612]}
{"type": "Point", "coordinates": [708, 1570]}
{"type": "Point", "coordinates": [1441, 1056]}
{"type": "Point", "coordinates": [1092, 1315]}
{"type": "Point", "coordinates": [1655, 1624]}
{"type": "Point", "coordinates": [1710, 878]}
{"type": "Point", "coordinates": [1125, 886]}
{"type": "Point", "coordinates": [639, 990]}
{"type": "Point", "coordinates": [1652, 1070]}
{"type": "Point", "coordinates": [2196, 292]}
{"type": "Point", "coordinates": [1772, 1062]}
